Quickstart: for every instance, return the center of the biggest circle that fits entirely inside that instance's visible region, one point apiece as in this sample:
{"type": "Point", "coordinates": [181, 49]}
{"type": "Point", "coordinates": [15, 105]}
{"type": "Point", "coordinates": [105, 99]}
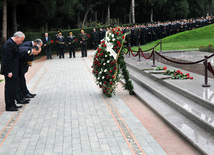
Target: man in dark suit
{"type": "Point", "coordinates": [47, 45]}
{"type": "Point", "coordinates": [95, 38]}
{"type": "Point", "coordinates": [10, 67]}
{"type": "Point", "coordinates": [101, 34]}
{"type": "Point", "coordinates": [30, 44]}
{"type": "Point", "coordinates": [83, 42]}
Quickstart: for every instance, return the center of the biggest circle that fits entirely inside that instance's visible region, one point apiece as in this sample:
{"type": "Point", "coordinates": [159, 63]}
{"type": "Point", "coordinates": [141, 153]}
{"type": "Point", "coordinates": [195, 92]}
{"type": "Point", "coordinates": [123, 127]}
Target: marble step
{"type": "Point", "coordinates": [165, 80]}
{"type": "Point", "coordinates": [203, 116]}
{"type": "Point", "coordinates": [195, 135]}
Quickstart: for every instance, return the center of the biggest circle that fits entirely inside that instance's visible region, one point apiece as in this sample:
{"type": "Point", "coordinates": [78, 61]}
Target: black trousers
{"type": "Point", "coordinates": [48, 52]}
{"type": "Point", "coordinates": [22, 84]}
{"type": "Point", "coordinates": [61, 52]}
{"type": "Point", "coordinates": [84, 50]}
{"type": "Point", "coordinates": [10, 91]}
{"type": "Point", "coordinates": [71, 50]}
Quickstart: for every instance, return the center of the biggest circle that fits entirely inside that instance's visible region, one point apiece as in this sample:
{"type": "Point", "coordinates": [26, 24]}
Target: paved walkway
{"type": "Point", "coordinates": [70, 115]}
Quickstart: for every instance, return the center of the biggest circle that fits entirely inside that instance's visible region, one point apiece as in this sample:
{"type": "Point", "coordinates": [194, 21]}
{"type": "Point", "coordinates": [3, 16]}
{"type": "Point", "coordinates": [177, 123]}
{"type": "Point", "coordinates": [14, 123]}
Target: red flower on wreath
{"type": "Point", "coordinates": [117, 33]}
{"type": "Point", "coordinates": [112, 76]}
{"type": "Point", "coordinates": [107, 76]}
{"type": "Point", "coordinates": [110, 71]}
{"type": "Point", "coordinates": [110, 83]}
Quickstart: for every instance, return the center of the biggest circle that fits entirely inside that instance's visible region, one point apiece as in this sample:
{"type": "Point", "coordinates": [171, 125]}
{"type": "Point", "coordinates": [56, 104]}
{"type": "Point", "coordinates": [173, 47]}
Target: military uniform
{"type": "Point", "coordinates": [61, 46]}
{"type": "Point", "coordinates": [71, 45]}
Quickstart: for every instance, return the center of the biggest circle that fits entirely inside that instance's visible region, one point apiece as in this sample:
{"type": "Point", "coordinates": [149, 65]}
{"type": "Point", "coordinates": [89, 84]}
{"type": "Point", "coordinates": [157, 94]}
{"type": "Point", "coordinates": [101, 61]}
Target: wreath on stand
{"type": "Point", "coordinates": [109, 65]}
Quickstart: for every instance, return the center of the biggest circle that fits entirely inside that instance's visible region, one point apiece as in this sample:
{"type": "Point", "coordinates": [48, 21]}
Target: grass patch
{"type": "Point", "coordinates": [185, 40]}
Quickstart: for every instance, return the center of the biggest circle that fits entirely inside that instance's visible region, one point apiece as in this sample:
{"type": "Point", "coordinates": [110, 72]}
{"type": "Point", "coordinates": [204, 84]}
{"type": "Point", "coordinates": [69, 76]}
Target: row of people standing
{"type": "Point", "coordinates": [142, 34]}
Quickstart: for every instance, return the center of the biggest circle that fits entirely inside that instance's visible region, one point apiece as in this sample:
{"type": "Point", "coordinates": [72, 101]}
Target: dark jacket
{"type": "Point", "coordinates": [27, 43]}
{"type": "Point", "coordinates": [10, 58]}
{"type": "Point", "coordinates": [83, 38]}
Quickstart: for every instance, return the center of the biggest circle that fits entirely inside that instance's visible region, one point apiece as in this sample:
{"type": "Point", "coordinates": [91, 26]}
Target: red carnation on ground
{"type": "Point", "coordinates": [178, 71]}
{"type": "Point", "coordinates": [181, 73]}
{"type": "Point", "coordinates": [191, 78]}
{"type": "Point", "coordinates": [187, 74]}
{"type": "Point", "coordinates": [175, 74]}
{"type": "Point", "coordinates": [164, 68]}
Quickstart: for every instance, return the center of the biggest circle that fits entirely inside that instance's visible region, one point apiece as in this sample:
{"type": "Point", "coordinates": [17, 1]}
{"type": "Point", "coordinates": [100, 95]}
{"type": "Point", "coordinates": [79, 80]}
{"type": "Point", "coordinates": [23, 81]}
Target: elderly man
{"type": "Point", "coordinates": [10, 67]}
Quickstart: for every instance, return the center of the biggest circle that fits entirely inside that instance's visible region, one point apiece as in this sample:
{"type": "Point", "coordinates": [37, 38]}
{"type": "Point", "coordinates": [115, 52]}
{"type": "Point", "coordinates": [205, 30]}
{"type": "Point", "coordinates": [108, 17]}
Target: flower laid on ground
{"type": "Point", "coordinates": [177, 74]}
{"type": "Point", "coordinates": [109, 62]}
{"type": "Point", "coordinates": [160, 68]}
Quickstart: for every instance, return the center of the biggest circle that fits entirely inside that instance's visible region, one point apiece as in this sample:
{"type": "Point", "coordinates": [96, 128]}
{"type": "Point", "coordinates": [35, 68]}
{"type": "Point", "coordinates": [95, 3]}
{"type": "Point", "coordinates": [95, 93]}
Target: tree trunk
{"type": "Point", "coordinates": [210, 7]}
{"type": "Point", "coordinates": [133, 11]}
{"type": "Point", "coordinates": [14, 18]}
{"type": "Point", "coordinates": [85, 17]}
{"type": "Point", "coordinates": [108, 15]}
{"type": "Point", "coordinates": [95, 16]}
{"type": "Point", "coordinates": [124, 17]}
{"type": "Point", "coordinates": [4, 21]}
{"type": "Point", "coordinates": [130, 15]}
{"type": "Point", "coordinates": [151, 15]}
{"type": "Point", "coordinates": [46, 26]}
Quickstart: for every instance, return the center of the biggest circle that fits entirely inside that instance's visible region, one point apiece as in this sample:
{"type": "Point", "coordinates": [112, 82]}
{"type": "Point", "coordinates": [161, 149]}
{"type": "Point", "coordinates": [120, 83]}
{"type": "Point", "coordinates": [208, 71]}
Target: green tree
{"type": "Point", "coordinates": [181, 9]}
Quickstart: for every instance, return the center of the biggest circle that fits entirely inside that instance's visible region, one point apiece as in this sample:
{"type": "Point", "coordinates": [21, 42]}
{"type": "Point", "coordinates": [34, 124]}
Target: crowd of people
{"type": "Point", "coordinates": [17, 57]}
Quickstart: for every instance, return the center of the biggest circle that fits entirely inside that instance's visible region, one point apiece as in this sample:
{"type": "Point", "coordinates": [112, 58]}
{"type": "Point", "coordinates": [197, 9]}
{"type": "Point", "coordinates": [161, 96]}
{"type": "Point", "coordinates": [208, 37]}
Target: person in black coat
{"type": "Point", "coordinates": [101, 34]}
{"type": "Point", "coordinates": [47, 45]}
{"type": "Point", "coordinates": [71, 44]}
{"type": "Point", "coordinates": [10, 68]}
{"type": "Point", "coordinates": [30, 44]}
{"type": "Point", "coordinates": [83, 42]}
{"type": "Point", "coordinates": [61, 45]}
{"type": "Point", "coordinates": [95, 38]}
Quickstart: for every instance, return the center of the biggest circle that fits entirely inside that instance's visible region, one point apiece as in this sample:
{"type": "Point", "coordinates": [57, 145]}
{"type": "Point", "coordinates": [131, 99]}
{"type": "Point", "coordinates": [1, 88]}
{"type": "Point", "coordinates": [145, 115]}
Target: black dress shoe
{"type": "Point", "coordinates": [16, 106]}
{"type": "Point", "coordinates": [22, 102]}
{"type": "Point", "coordinates": [27, 99]}
{"type": "Point", "coordinates": [29, 96]}
{"type": "Point", "coordinates": [32, 94]}
{"type": "Point", "coordinates": [11, 109]}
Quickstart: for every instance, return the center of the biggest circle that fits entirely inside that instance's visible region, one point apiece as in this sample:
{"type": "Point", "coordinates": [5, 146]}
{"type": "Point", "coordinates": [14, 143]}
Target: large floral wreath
{"type": "Point", "coordinates": [109, 62]}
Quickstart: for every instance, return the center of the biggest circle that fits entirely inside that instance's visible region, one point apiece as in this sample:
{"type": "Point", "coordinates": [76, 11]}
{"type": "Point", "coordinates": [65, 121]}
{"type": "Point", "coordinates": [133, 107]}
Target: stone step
{"type": "Point", "coordinates": [203, 116]}
{"type": "Point", "coordinates": [170, 84]}
{"type": "Point", "coordinates": [198, 137]}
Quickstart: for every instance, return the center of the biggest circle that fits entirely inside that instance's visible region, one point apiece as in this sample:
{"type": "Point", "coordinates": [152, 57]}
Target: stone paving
{"type": "Point", "coordinates": [70, 115]}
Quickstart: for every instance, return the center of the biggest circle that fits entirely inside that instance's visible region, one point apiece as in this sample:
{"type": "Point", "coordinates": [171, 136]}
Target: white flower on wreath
{"type": "Point", "coordinates": [106, 56]}
{"type": "Point", "coordinates": [104, 64]}
{"type": "Point", "coordinates": [103, 77]}
{"type": "Point", "coordinates": [100, 83]}
{"type": "Point", "coordinates": [98, 78]}
{"type": "Point", "coordinates": [113, 39]}
{"type": "Point", "coordinates": [100, 72]}
{"type": "Point", "coordinates": [105, 70]}
{"type": "Point", "coordinates": [108, 61]}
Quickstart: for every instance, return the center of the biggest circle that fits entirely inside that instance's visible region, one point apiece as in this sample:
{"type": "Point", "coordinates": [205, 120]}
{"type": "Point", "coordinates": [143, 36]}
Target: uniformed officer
{"type": "Point", "coordinates": [95, 38]}
{"type": "Point", "coordinates": [61, 45]}
{"type": "Point", "coordinates": [71, 44]}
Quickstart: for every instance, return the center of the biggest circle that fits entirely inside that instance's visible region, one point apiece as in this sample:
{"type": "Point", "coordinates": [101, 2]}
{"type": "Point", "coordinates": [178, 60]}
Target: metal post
{"type": "Point", "coordinates": [153, 58]}
{"type": "Point", "coordinates": [139, 51]}
{"type": "Point", "coordinates": [205, 73]}
{"type": "Point", "coordinates": [129, 50]}
{"type": "Point", "coordinates": [160, 46]}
